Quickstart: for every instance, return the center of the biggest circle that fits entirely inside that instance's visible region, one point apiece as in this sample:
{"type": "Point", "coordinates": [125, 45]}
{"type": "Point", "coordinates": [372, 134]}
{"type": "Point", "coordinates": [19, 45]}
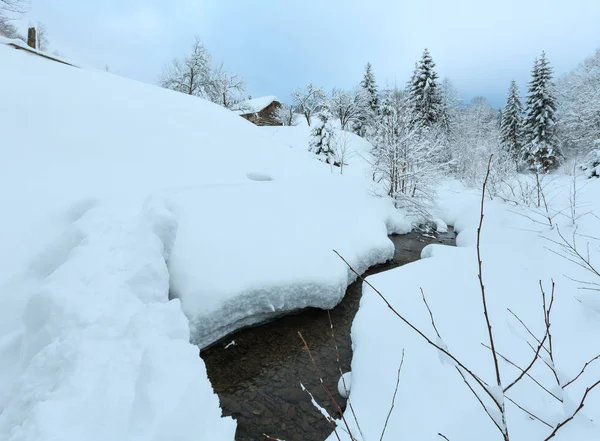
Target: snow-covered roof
{"type": "Point", "coordinates": [256, 105]}
{"type": "Point", "coordinates": [19, 44]}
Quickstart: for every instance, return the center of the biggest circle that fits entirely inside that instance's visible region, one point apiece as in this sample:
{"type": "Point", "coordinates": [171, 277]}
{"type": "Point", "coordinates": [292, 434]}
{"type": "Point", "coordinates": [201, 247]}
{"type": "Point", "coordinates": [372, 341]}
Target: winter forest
{"type": "Point", "coordinates": [299, 221]}
{"type": "Point", "coordinates": [424, 130]}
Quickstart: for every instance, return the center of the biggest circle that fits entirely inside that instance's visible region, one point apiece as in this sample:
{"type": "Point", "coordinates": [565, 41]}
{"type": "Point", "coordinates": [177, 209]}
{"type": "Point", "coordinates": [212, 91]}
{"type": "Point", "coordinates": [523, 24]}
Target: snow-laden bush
{"type": "Point", "coordinates": [591, 163]}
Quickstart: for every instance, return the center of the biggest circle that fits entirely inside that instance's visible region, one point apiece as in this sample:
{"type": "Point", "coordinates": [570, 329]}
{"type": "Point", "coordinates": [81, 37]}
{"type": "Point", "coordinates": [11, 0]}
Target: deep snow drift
{"type": "Point", "coordinates": [516, 253]}
{"type": "Point", "coordinates": [113, 192]}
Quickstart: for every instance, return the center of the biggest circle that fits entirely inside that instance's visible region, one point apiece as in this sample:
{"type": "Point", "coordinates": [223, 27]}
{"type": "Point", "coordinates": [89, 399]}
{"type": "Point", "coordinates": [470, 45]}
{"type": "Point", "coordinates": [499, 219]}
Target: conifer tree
{"type": "Point", "coordinates": [424, 93]}
{"type": "Point", "coordinates": [321, 139]}
{"type": "Point", "coordinates": [511, 126]}
{"type": "Point", "coordinates": [366, 121]}
{"type": "Point", "coordinates": [541, 143]}
{"type": "Point", "coordinates": [370, 86]}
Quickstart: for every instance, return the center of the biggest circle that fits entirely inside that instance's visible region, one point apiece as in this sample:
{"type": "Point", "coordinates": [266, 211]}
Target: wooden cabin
{"type": "Point", "coordinates": [261, 111]}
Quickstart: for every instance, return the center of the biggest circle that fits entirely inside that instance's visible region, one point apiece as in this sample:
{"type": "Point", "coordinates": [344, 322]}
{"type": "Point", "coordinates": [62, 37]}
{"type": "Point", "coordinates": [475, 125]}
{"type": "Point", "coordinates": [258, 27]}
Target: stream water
{"type": "Point", "coordinates": [258, 378]}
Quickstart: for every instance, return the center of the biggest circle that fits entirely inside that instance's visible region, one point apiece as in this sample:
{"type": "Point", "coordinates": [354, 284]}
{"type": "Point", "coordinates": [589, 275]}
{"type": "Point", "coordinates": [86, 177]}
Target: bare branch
{"type": "Point", "coordinates": [337, 352]}
{"type": "Point", "coordinates": [393, 397]}
{"type": "Point", "coordinates": [527, 373]}
{"type": "Point", "coordinates": [325, 388]}
{"type": "Point", "coordinates": [581, 372]}
{"type": "Point", "coordinates": [539, 348]}
{"type": "Point", "coordinates": [581, 404]}
{"type": "Point", "coordinates": [529, 413]}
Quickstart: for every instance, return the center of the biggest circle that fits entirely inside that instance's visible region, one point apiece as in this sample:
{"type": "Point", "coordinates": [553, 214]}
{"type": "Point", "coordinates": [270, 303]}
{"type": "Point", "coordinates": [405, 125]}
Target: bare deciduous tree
{"type": "Point", "coordinates": [225, 88]}
{"type": "Point", "coordinates": [348, 106]}
{"type": "Point", "coordinates": [14, 6]}
{"type": "Point", "coordinates": [190, 75]}
{"type": "Point", "coordinates": [286, 116]}
{"type": "Point", "coordinates": [309, 100]}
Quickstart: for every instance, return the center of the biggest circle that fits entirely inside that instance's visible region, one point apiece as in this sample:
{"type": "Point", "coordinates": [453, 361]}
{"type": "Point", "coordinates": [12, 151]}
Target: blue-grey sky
{"type": "Point", "coordinates": [277, 45]}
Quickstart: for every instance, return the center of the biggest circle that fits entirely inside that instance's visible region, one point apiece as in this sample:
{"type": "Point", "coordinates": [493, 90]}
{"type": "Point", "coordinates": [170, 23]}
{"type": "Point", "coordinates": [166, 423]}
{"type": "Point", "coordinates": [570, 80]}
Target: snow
{"type": "Point", "coordinates": [432, 398]}
{"type": "Point", "coordinates": [345, 384]}
{"type": "Point", "coordinates": [117, 196]}
{"type": "Point", "coordinates": [255, 105]}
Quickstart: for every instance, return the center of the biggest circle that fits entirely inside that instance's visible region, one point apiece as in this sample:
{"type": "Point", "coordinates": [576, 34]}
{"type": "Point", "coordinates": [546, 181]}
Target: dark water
{"type": "Point", "coordinates": [258, 379]}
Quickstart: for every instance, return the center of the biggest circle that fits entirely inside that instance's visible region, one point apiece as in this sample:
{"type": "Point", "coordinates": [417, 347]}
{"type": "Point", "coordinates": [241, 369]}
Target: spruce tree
{"type": "Point", "coordinates": [367, 119]}
{"type": "Point", "coordinates": [541, 143]}
{"type": "Point", "coordinates": [511, 126]}
{"type": "Point", "coordinates": [423, 91]}
{"type": "Point", "coordinates": [321, 140]}
{"type": "Point", "coordinates": [368, 83]}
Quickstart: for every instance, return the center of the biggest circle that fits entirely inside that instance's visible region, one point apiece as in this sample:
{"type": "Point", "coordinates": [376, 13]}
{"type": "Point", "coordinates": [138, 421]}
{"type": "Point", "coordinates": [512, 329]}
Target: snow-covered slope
{"type": "Point", "coordinates": [114, 192]}
{"type": "Point", "coordinates": [516, 246]}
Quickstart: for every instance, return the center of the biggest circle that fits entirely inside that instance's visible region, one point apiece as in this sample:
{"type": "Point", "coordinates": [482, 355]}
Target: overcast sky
{"type": "Point", "coordinates": [277, 45]}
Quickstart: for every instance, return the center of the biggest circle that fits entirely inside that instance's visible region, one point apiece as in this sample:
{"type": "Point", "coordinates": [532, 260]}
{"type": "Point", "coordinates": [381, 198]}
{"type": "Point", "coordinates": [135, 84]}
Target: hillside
{"type": "Point", "coordinates": [116, 193]}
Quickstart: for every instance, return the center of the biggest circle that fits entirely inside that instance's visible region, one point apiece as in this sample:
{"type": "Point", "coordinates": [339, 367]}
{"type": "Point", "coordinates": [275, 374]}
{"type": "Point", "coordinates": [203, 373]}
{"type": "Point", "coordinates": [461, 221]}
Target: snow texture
{"type": "Point", "coordinates": [344, 384]}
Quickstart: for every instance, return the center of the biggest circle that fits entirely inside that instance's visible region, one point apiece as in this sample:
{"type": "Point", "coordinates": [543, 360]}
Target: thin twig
{"type": "Point", "coordinates": [443, 436]}
{"type": "Point", "coordinates": [526, 328]}
{"type": "Point", "coordinates": [430, 314]}
{"type": "Point", "coordinates": [529, 413]}
{"type": "Point", "coordinates": [393, 397]}
{"type": "Point", "coordinates": [582, 370]}
{"type": "Point", "coordinates": [581, 404]}
{"type": "Point", "coordinates": [325, 388]}
{"type": "Point", "coordinates": [540, 346]}
{"type": "Point", "coordinates": [482, 287]}
{"type": "Point", "coordinates": [337, 352]}
{"type": "Point", "coordinates": [528, 374]}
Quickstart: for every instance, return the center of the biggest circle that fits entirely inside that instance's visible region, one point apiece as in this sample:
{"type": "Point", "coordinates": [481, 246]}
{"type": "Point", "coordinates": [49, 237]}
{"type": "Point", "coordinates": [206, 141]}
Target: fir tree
{"type": "Point", "coordinates": [424, 93]}
{"type": "Point", "coordinates": [321, 140]}
{"type": "Point", "coordinates": [368, 83]}
{"type": "Point", "coordinates": [367, 119]}
{"type": "Point", "coordinates": [541, 143]}
{"type": "Point", "coordinates": [511, 126]}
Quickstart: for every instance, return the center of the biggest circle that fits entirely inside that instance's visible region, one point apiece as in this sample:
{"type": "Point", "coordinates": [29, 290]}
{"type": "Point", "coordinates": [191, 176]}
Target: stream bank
{"type": "Point", "coordinates": [257, 371]}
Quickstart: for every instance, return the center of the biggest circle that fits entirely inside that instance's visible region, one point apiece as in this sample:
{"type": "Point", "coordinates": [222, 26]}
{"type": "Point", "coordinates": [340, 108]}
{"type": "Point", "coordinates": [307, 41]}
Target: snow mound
{"type": "Point", "coordinates": [101, 352]}
{"type": "Point", "coordinates": [344, 384]}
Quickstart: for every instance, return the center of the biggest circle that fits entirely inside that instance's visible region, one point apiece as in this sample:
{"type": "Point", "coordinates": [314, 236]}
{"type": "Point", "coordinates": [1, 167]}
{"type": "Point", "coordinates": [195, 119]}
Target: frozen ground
{"type": "Point", "coordinates": [432, 397]}
{"type": "Point", "coordinates": [114, 192]}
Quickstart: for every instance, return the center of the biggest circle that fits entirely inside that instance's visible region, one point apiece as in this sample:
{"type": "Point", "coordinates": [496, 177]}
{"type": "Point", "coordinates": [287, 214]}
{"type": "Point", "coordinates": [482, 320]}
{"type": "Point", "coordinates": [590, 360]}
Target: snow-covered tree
{"type": "Point", "coordinates": [193, 75]}
{"type": "Point", "coordinates": [13, 6]}
{"type": "Point", "coordinates": [542, 152]}
{"type": "Point", "coordinates": [408, 159]}
{"type": "Point", "coordinates": [346, 106]}
{"type": "Point", "coordinates": [424, 93]}
{"type": "Point", "coordinates": [190, 75]}
{"type": "Point", "coordinates": [364, 124]}
{"type": "Point", "coordinates": [511, 128]}
{"type": "Point", "coordinates": [286, 116]}
{"type": "Point", "coordinates": [322, 138]}
{"type": "Point", "coordinates": [8, 30]}
{"type": "Point", "coordinates": [224, 88]}
{"type": "Point", "coordinates": [476, 138]}
{"type": "Point", "coordinates": [309, 100]}
{"type": "Point", "coordinates": [578, 109]}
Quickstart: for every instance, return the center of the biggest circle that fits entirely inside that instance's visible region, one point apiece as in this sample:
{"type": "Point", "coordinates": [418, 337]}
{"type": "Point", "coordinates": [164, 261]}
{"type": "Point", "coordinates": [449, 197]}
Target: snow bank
{"type": "Point", "coordinates": [113, 193]}
{"type": "Point", "coordinates": [271, 251]}
{"type": "Point", "coordinates": [101, 353]}
{"type": "Point", "coordinates": [432, 397]}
